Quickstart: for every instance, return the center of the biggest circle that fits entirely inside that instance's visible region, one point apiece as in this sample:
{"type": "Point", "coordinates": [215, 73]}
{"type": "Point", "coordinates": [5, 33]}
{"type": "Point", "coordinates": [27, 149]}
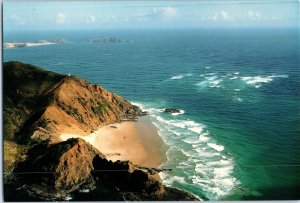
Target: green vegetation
{"type": "Point", "coordinates": [13, 153]}
{"type": "Point", "coordinates": [82, 100]}
{"type": "Point", "coordinates": [72, 111]}
{"type": "Point", "coordinates": [43, 123]}
{"type": "Point", "coordinates": [24, 87]}
{"type": "Point", "coordinates": [99, 109]}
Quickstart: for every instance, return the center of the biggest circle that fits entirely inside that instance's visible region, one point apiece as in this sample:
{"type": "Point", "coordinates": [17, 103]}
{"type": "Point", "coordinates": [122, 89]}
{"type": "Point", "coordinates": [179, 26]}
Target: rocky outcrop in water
{"type": "Point", "coordinates": [172, 110]}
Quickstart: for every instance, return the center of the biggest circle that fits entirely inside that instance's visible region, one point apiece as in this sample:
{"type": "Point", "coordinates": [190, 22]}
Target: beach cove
{"type": "Point", "coordinates": [137, 142]}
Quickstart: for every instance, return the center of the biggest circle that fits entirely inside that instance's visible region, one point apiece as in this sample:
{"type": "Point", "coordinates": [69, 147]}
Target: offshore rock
{"type": "Point", "coordinates": [172, 110]}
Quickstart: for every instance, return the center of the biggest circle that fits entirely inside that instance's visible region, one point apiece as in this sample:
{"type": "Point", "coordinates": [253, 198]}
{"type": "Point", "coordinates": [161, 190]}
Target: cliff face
{"type": "Point", "coordinates": [76, 165]}
{"type": "Point", "coordinates": [38, 105]}
{"type": "Point", "coordinates": [23, 86]}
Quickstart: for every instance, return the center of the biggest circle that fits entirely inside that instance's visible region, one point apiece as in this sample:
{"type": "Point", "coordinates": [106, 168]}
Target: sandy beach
{"type": "Point", "coordinates": [138, 142]}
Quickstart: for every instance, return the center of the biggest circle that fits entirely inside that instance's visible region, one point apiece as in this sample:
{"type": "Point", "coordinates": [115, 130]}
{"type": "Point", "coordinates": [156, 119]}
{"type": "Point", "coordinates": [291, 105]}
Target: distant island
{"type": "Point", "coordinates": [106, 40]}
{"type": "Point", "coordinates": [41, 163]}
{"type": "Point", "coordinates": [31, 44]}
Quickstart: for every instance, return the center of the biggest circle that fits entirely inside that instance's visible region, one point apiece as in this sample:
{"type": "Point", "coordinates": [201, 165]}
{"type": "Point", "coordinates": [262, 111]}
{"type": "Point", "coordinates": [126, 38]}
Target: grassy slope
{"type": "Point", "coordinates": [23, 86]}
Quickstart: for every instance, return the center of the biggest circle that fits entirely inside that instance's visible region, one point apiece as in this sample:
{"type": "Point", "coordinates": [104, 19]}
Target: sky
{"type": "Point", "coordinates": [66, 15]}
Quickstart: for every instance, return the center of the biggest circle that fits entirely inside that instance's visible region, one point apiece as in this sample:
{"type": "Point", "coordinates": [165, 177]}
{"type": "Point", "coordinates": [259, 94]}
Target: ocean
{"type": "Point", "coordinates": [237, 135]}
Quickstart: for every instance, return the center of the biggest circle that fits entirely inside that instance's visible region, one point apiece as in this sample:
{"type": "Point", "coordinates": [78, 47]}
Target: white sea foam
{"type": "Point", "coordinates": [196, 129]}
{"type": "Point", "coordinates": [202, 84]}
{"type": "Point", "coordinates": [163, 175]}
{"type": "Point", "coordinates": [221, 162]}
{"type": "Point", "coordinates": [177, 124]}
{"type": "Point", "coordinates": [233, 78]}
{"type": "Point", "coordinates": [207, 74]}
{"type": "Point", "coordinates": [175, 132]}
{"type": "Point", "coordinates": [178, 179]}
{"type": "Point", "coordinates": [191, 140]}
{"type": "Point", "coordinates": [171, 179]}
{"type": "Point", "coordinates": [238, 99]}
{"type": "Point", "coordinates": [256, 79]}
{"type": "Point", "coordinates": [216, 82]}
{"type": "Point", "coordinates": [279, 76]}
{"type": "Point", "coordinates": [206, 154]}
{"type": "Point", "coordinates": [218, 186]}
{"type": "Point", "coordinates": [202, 169]}
{"type": "Point", "coordinates": [68, 197]}
{"type": "Point", "coordinates": [180, 112]}
{"type": "Point", "coordinates": [178, 77]}
{"type": "Point", "coordinates": [203, 138]}
{"type": "Point", "coordinates": [219, 148]}
{"type": "Point", "coordinates": [257, 86]}
{"type": "Point", "coordinates": [187, 124]}
{"type": "Point", "coordinates": [228, 182]}
{"type": "Point", "coordinates": [211, 78]}
{"type": "Point", "coordinates": [84, 190]}
{"type": "Point", "coordinates": [141, 106]}
{"type": "Point", "coordinates": [204, 163]}
{"type": "Point", "coordinates": [191, 123]}
{"type": "Point", "coordinates": [209, 83]}
{"type": "Point", "coordinates": [197, 179]}
{"type": "Point", "coordinates": [223, 171]}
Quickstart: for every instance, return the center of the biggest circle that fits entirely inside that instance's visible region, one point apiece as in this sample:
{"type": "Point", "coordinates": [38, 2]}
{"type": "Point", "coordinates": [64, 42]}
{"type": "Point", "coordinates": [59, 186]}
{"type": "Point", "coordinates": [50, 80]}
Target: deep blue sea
{"type": "Point", "coordinates": [238, 134]}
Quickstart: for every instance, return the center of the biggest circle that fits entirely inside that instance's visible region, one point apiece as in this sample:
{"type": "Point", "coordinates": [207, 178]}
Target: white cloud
{"type": "Point", "coordinates": [91, 19]}
{"type": "Point", "coordinates": [250, 13]}
{"type": "Point", "coordinates": [215, 16]}
{"type": "Point", "coordinates": [169, 11]}
{"type": "Point", "coordinates": [61, 18]}
{"type": "Point", "coordinates": [162, 13]}
{"type": "Point", "coordinates": [17, 19]}
{"type": "Point", "coordinates": [254, 15]}
{"type": "Point", "coordinates": [111, 19]}
{"type": "Point", "coordinates": [222, 15]}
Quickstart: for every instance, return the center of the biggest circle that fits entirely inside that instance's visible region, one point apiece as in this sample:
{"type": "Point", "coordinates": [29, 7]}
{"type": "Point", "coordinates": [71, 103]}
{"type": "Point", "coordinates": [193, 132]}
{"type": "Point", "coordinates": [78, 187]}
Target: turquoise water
{"type": "Point", "coordinates": [237, 136]}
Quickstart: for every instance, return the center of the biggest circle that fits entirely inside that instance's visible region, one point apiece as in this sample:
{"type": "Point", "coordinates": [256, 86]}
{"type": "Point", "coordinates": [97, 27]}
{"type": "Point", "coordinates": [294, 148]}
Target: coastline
{"type": "Point", "coordinates": [10, 45]}
{"type": "Point", "coordinates": [137, 142]}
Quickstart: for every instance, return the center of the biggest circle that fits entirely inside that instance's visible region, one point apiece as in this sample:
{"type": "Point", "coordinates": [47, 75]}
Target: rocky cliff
{"type": "Point", "coordinates": [38, 105]}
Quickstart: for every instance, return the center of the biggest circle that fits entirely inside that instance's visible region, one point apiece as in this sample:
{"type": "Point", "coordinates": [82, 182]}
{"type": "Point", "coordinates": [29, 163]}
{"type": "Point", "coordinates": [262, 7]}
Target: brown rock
{"type": "Point", "coordinates": [74, 164]}
{"type": "Point", "coordinates": [39, 105]}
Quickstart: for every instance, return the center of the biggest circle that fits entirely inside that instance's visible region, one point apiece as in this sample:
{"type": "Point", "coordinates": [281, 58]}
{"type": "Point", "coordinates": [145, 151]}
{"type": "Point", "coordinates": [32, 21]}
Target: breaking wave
{"type": "Point", "coordinates": [206, 166]}
{"type": "Point", "coordinates": [257, 81]}
{"type": "Point", "coordinates": [215, 80]}
{"type": "Point", "coordinates": [178, 77]}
